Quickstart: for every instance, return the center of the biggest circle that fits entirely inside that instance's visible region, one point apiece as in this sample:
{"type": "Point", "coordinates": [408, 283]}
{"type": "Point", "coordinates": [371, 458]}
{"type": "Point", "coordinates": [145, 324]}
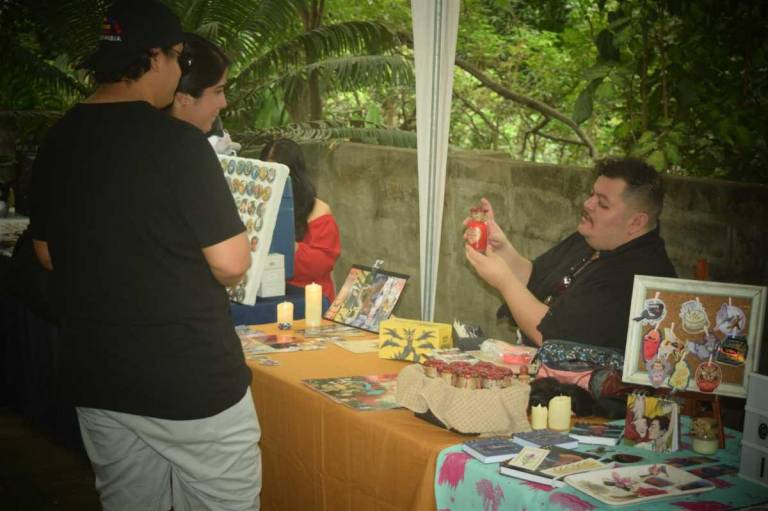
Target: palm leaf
{"type": "Point", "coordinates": [319, 44]}
{"type": "Point", "coordinates": [323, 131]}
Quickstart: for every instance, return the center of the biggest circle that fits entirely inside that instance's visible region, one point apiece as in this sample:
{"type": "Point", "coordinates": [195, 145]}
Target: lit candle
{"type": "Point", "coordinates": [285, 313]}
{"type": "Point", "coordinates": [313, 303]}
{"type": "Point", "coordinates": [560, 413]}
{"type": "Point", "coordinates": [539, 417]}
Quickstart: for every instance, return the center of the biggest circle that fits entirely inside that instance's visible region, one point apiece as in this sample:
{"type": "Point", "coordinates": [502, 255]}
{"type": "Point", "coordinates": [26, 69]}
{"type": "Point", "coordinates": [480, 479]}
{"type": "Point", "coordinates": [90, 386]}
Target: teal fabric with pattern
{"type": "Point", "coordinates": [463, 484]}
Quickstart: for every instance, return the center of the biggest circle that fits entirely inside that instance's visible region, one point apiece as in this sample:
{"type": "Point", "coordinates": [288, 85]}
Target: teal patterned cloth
{"type": "Point", "coordinates": [463, 484]}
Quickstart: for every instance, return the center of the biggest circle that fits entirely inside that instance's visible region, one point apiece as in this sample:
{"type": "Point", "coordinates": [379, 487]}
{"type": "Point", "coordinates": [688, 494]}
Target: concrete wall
{"type": "Point", "coordinates": [373, 193]}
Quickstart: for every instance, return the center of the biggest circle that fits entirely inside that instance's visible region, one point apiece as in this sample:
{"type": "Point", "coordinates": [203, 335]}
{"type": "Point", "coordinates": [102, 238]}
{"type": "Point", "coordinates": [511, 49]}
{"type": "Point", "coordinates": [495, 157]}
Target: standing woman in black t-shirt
{"type": "Point", "coordinates": [200, 94]}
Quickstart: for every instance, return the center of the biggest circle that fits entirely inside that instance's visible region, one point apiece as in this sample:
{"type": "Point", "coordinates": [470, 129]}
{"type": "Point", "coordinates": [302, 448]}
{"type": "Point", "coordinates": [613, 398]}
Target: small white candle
{"type": "Point", "coordinates": [539, 417]}
{"type": "Point", "coordinates": [560, 413]}
{"type": "Point", "coordinates": [313, 303]}
{"type": "Point", "coordinates": [285, 312]}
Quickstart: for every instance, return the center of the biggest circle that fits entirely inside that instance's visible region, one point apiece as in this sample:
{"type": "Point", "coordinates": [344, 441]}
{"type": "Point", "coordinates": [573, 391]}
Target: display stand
{"type": "Point", "coordinates": [698, 404]}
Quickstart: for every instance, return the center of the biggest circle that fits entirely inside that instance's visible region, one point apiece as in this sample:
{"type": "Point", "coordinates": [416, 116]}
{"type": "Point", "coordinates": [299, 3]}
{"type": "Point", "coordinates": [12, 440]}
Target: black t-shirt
{"type": "Point", "coordinates": [594, 309]}
{"type": "Point", "coordinates": [126, 197]}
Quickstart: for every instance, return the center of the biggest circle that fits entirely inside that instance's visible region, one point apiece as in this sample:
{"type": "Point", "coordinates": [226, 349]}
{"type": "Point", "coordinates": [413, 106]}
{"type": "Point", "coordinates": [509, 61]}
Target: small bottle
{"type": "Point", "coordinates": [702, 269]}
{"type": "Point", "coordinates": [477, 229]}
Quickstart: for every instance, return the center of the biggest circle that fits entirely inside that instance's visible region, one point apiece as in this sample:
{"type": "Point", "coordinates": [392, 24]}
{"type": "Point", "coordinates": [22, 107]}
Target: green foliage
{"type": "Point", "coordinates": [681, 83]}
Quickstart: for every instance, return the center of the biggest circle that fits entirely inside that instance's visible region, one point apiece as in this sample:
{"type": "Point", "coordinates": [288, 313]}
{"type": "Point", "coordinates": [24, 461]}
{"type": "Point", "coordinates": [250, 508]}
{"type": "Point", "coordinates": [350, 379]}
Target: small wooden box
{"type": "Point", "coordinates": [408, 339]}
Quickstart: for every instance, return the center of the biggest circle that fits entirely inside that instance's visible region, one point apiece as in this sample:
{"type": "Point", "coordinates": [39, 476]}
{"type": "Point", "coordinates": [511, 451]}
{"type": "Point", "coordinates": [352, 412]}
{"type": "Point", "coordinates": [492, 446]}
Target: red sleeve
{"type": "Point", "coordinates": [317, 252]}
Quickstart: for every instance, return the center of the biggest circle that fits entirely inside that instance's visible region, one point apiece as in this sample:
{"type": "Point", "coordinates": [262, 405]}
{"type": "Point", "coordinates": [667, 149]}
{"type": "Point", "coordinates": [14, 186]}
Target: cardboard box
{"type": "Point", "coordinates": [754, 463]}
{"type": "Point", "coordinates": [754, 443]}
{"type": "Point", "coordinates": [408, 339]}
{"type": "Point", "coordinates": [757, 397]}
{"type": "Point", "coordinates": [756, 428]}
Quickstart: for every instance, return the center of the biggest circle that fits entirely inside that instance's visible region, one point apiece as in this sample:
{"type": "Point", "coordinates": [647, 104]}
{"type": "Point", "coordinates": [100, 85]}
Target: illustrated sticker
{"type": "Point", "coordinates": [733, 351]}
{"type": "Point", "coordinates": [654, 311]}
{"type": "Point", "coordinates": [651, 342]}
{"type": "Point", "coordinates": [708, 376]}
{"type": "Point", "coordinates": [704, 349]}
{"type": "Point", "coordinates": [670, 343]}
{"type": "Point", "coordinates": [658, 370]}
{"type": "Point", "coordinates": [231, 167]}
{"type": "Point", "coordinates": [254, 243]}
{"type": "Point", "coordinates": [680, 376]}
{"type": "Point", "coordinates": [730, 319]}
{"type": "Point", "coordinates": [694, 316]}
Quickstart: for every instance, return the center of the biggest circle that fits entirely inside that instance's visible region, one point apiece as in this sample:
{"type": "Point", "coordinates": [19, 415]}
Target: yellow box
{"type": "Point", "coordinates": [408, 339]}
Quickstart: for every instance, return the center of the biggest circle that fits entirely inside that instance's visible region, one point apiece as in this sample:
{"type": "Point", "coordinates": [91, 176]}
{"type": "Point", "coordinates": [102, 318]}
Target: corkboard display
{"type": "Point", "coordinates": [694, 335]}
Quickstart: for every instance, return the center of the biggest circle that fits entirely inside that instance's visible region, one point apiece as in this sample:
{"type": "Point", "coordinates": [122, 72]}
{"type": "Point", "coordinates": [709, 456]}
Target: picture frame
{"type": "Point", "coordinates": [693, 335]}
{"type": "Point", "coordinates": [367, 297]}
{"type": "Point", "coordinates": [257, 189]}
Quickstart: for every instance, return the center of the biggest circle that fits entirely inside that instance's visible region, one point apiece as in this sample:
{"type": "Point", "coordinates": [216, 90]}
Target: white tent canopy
{"type": "Point", "coordinates": [435, 25]}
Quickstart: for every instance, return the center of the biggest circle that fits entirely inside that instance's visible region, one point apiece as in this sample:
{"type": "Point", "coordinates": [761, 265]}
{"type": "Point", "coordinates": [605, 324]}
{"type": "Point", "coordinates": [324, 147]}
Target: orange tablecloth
{"type": "Point", "coordinates": [320, 455]}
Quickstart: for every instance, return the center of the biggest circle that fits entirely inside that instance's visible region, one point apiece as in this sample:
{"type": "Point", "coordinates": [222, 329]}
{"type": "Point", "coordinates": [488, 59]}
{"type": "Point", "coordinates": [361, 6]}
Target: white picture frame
{"type": "Point", "coordinates": [678, 297]}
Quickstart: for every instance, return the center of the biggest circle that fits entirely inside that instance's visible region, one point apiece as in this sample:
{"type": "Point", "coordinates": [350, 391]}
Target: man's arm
{"type": "Point", "coordinates": [43, 254]}
{"type": "Point", "coordinates": [229, 259]}
{"type": "Point", "coordinates": [526, 309]}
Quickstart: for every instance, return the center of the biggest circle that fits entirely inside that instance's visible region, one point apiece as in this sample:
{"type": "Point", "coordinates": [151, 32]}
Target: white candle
{"type": "Point", "coordinates": [285, 312]}
{"type": "Point", "coordinates": [539, 417]}
{"type": "Point", "coordinates": [313, 303]}
{"type": "Point", "coordinates": [560, 413]}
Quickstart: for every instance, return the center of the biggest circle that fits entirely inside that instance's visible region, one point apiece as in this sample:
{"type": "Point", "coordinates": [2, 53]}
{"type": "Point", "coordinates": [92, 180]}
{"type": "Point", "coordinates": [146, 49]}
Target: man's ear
{"type": "Point", "coordinates": [638, 223]}
{"type": "Point", "coordinates": [154, 56]}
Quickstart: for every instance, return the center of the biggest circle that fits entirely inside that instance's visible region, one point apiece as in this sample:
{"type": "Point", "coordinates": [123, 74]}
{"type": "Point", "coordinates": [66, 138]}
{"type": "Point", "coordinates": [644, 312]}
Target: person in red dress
{"type": "Point", "coordinates": [318, 243]}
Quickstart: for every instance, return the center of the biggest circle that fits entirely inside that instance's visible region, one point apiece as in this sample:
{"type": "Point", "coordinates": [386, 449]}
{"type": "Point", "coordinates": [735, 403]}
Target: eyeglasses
{"type": "Point", "coordinates": [564, 283]}
{"type": "Point", "coordinates": [184, 58]}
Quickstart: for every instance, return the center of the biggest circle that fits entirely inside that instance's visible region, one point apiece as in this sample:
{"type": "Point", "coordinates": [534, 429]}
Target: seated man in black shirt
{"type": "Point", "coordinates": [580, 290]}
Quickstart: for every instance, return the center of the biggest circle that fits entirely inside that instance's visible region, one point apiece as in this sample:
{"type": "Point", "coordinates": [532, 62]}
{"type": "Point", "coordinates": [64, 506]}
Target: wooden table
{"type": "Point", "coordinates": [320, 455]}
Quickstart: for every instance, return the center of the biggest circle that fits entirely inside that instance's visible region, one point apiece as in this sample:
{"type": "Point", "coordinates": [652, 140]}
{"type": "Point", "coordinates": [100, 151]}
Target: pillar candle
{"type": "Point", "coordinates": [313, 303]}
{"type": "Point", "coordinates": [560, 413]}
{"type": "Point", "coordinates": [539, 417]}
{"type": "Point", "coordinates": [285, 312]}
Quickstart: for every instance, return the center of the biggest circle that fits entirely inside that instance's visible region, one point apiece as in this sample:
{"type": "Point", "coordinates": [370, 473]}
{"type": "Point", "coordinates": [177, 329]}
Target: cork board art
{"type": "Point", "coordinates": [692, 335]}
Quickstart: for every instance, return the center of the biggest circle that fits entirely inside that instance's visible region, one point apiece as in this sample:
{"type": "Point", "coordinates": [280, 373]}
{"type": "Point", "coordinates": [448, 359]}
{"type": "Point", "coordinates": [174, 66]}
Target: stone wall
{"type": "Point", "coordinates": [373, 193]}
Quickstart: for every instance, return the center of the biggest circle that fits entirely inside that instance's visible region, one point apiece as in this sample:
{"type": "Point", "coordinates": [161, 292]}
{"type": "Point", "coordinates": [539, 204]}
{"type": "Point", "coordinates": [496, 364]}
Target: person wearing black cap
{"type": "Point", "coordinates": [131, 212]}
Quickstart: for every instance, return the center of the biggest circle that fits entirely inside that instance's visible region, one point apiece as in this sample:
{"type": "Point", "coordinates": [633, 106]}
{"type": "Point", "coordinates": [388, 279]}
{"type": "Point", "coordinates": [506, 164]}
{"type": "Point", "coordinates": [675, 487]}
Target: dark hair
{"type": "Point", "coordinates": [209, 63]}
{"type": "Point", "coordinates": [132, 71]}
{"type": "Point", "coordinates": [644, 185]}
{"type": "Point", "coordinates": [663, 422]}
{"type": "Point", "coordinates": [288, 152]}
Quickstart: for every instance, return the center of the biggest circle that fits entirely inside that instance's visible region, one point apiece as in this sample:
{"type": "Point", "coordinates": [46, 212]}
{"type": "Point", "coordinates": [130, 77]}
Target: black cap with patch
{"type": "Point", "coordinates": [131, 27]}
